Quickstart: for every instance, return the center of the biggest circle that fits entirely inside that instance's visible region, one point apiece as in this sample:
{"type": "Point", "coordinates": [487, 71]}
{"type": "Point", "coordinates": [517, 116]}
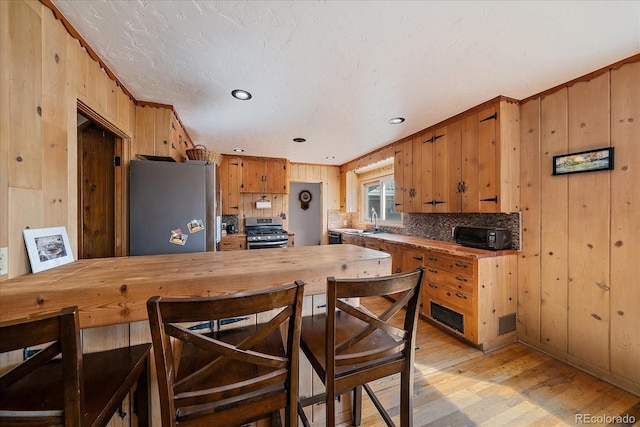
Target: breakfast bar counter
{"type": "Point", "coordinates": [111, 291]}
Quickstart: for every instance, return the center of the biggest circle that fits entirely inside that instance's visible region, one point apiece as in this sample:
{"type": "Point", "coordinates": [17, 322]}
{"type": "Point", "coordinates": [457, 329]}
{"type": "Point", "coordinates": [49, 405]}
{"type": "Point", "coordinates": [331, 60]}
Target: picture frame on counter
{"type": "Point", "coordinates": [47, 247]}
{"type": "Point", "coordinates": [583, 161]}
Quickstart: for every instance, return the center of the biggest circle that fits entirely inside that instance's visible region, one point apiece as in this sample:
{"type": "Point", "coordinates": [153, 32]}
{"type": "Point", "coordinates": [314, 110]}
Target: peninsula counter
{"type": "Point", "coordinates": [110, 291]}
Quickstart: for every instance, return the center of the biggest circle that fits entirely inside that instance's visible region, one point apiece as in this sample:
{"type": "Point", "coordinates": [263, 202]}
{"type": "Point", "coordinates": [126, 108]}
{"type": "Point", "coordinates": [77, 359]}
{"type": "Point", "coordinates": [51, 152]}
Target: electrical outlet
{"type": "Point", "coordinates": [4, 261]}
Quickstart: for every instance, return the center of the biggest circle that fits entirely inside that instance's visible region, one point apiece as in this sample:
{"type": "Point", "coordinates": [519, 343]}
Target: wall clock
{"type": "Point", "coordinates": [305, 198]}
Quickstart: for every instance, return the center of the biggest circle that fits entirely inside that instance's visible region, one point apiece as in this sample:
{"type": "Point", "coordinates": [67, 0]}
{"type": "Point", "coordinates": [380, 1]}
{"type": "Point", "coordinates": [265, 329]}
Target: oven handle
{"type": "Point", "coordinates": [265, 245]}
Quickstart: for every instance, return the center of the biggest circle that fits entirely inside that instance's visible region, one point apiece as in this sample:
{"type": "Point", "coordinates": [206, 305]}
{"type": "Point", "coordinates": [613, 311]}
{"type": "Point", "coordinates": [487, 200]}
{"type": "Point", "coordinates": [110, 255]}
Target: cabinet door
{"type": "Point", "coordinates": [469, 164]}
{"type": "Point", "coordinates": [450, 181]}
{"type": "Point", "coordinates": [230, 182]}
{"type": "Point", "coordinates": [144, 142]}
{"type": "Point", "coordinates": [266, 176]}
{"type": "Point", "coordinates": [428, 172]}
{"type": "Point", "coordinates": [436, 158]}
{"type": "Point", "coordinates": [398, 176]}
{"type": "Point", "coordinates": [276, 176]}
{"type": "Point", "coordinates": [162, 135]}
{"type": "Point", "coordinates": [233, 243]}
{"type": "Point", "coordinates": [487, 160]}
{"type": "Point", "coordinates": [408, 175]}
{"type": "Point", "coordinates": [253, 175]}
{"type": "Point", "coordinates": [415, 192]}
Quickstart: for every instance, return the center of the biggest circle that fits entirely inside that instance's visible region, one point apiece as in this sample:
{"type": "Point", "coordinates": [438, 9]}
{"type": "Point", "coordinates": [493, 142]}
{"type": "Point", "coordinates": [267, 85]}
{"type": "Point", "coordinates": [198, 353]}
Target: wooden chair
{"type": "Point", "coordinates": [73, 390]}
{"type": "Point", "coordinates": [348, 346]}
{"type": "Point", "coordinates": [227, 376]}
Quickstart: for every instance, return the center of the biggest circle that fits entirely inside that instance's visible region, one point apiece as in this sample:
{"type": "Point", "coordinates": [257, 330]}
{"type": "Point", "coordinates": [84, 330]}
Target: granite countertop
{"type": "Point", "coordinates": [451, 248]}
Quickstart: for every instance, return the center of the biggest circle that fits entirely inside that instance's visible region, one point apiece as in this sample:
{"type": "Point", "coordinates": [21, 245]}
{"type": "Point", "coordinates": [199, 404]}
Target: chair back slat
{"type": "Point", "coordinates": [374, 286]}
{"type": "Point", "coordinates": [232, 305]}
{"type": "Point", "coordinates": [350, 346]}
{"type": "Point", "coordinates": [230, 375]}
{"type": "Point", "coordinates": [62, 331]}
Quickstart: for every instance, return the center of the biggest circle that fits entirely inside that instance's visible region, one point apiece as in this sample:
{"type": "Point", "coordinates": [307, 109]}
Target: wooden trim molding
{"type": "Point", "coordinates": [585, 78]}
{"type": "Point", "coordinates": [74, 33]}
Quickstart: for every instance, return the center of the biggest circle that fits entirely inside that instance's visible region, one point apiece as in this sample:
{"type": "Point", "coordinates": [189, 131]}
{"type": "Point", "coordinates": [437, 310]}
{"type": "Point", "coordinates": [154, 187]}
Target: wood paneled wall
{"type": "Point", "coordinates": [579, 297]}
{"type": "Point", "coordinates": [45, 73]}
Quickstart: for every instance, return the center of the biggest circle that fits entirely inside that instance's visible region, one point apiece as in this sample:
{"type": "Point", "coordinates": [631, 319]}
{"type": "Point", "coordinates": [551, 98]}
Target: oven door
{"type": "Point", "coordinates": [267, 244]}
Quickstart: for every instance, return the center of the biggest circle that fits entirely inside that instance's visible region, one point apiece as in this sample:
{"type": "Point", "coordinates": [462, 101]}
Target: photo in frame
{"type": "Point", "coordinates": [584, 161]}
{"type": "Point", "coordinates": [47, 247]}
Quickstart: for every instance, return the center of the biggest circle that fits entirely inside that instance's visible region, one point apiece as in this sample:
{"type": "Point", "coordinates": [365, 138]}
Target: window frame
{"type": "Point", "coordinates": [365, 214]}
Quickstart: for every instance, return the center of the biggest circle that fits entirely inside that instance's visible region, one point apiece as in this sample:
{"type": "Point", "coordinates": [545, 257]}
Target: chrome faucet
{"type": "Point", "coordinates": [374, 218]}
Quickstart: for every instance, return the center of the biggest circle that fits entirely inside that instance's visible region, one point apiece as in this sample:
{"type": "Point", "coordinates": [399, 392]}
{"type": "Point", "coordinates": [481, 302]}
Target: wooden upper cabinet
{"type": "Point", "coordinates": [407, 174]}
{"type": "Point", "coordinates": [488, 162]}
{"type": "Point", "coordinates": [464, 165]}
{"type": "Point", "coordinates": [230, 182]}
{"type": "Point", "coordinates": [265, 175]}
{"type": "Point", "coordinates": [160, 133]}
{"type": "Point", "coordinates": [435, 170]}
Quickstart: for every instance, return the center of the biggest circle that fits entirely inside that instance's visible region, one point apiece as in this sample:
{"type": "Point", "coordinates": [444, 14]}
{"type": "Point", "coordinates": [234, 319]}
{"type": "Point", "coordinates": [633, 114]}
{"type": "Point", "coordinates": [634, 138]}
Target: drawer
{"type": "Point", "coordinates": [233, 245]}
{"type": "Point", "coordinates": [457, 281]}
{"type": "Point", "coordinates": [453, 264]}
{"type": "Point", "coordinates": [456, 300]}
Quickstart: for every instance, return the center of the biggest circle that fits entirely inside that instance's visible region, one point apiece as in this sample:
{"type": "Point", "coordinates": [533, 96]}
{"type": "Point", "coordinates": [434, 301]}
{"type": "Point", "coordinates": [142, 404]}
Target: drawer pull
{"type": "Point", "coordinates": [460, 265]}
{"type": "Point", "coordinates": [459, 295]}
{"type": "Point", "coordinates": [461, 279]}
{"type": "Point", "coordinates": [431, 285]}
{"type": "Point", "coordinates": [431, 270]}
{"type": "Point", "coordinates": [431, 258]}
{"type": "Point", "coordinates": [418, 258]}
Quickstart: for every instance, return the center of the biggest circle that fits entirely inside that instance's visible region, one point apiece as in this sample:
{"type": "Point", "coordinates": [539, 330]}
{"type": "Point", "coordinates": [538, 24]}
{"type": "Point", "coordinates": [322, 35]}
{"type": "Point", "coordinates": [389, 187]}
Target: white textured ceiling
{"type": "Point", "coordinates": [335, 72]}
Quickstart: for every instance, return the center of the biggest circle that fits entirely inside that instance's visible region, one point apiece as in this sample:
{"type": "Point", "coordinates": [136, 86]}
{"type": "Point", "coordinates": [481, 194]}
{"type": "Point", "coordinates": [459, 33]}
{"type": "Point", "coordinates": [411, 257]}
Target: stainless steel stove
{"type": "Point", "coordinates": [265, 233]}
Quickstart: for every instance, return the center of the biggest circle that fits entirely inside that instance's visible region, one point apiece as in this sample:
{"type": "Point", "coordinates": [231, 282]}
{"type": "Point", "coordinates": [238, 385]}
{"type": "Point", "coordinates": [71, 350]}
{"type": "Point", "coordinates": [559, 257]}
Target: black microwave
{"type": "Point", "coordinates": [483, 237]}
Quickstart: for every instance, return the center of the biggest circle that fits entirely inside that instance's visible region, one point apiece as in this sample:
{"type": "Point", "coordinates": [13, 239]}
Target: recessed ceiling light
{"type": "Point", "coordinates": [299, 140]}
{"type": "Point", "coordinates": [241, 94]}
{"type": "Point", "coordinates": [239, 150]}
{"type": "Point", "coordinates": [396, 120]}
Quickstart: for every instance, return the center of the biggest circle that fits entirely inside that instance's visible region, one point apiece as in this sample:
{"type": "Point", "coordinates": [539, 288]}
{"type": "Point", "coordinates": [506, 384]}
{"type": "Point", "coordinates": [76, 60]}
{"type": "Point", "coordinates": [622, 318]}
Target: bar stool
{"type": "Point", "coordinates": [348, 346]}
{"type": "Point", "coordinates": [212, 375]}
{"type": "Point", "coordinates": [74, 390]}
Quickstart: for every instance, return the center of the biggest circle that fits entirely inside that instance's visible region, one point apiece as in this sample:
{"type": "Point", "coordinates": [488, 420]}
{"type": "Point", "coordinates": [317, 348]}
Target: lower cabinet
{"type": "Point", "coordinates": [474, 298]}
{"type": "Point", "coordinates": [471, 297]}
{"type": "Point", "coordinates": [233, 242]}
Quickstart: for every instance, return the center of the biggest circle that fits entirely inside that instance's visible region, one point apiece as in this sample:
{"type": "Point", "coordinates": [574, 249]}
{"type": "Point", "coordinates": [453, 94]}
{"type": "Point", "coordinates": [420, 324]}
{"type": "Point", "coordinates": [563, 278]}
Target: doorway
{"type": "Point", "coordinates": [305, 223]}
{"type": "Point", "coordinates": [97, 162]}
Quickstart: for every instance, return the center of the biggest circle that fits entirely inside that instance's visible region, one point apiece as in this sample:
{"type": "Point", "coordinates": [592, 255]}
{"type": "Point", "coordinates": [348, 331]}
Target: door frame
{"type": "Point", "coordinates": [323, 214]}
{"type": "Point", "coordinates": [121, 201]}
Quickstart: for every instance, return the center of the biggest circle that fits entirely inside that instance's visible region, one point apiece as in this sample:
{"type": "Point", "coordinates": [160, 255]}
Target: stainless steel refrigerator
{"type": "Point", "coordinates": [173, 207]}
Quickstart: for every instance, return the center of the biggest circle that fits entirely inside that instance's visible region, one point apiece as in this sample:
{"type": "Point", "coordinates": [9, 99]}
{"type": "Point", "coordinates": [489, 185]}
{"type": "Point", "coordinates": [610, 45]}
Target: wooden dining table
{"type": "Point", "coordinates": [110, 291]}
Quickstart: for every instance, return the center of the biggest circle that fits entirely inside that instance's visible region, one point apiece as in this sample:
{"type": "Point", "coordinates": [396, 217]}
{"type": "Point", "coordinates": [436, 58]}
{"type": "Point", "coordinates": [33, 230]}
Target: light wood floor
{"type": "Point", "coordinates": [457, 385]}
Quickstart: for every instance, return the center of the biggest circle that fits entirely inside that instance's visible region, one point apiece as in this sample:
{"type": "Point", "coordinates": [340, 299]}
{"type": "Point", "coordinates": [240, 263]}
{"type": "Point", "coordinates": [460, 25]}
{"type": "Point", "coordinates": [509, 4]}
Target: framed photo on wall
{"type": "Point", "coordinates": [584, 161]}
{"type": "Point", "coordinates": [47, 247]}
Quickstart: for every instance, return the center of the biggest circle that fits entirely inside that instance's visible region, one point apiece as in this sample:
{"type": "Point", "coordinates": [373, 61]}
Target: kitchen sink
{"type": "Point", "coordinates": [364, 232]}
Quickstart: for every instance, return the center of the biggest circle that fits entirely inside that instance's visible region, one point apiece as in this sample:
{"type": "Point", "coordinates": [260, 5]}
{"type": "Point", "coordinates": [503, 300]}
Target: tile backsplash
{"type": "Point", "coordinates": [437, 226]}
